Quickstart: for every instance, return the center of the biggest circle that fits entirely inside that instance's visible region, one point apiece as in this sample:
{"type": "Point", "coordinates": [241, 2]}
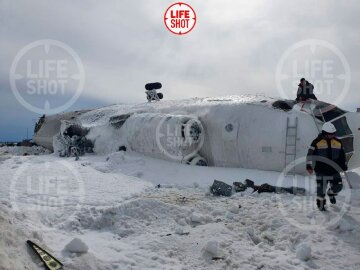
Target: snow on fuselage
{"type": "Point", "coordinates": [237, 131]}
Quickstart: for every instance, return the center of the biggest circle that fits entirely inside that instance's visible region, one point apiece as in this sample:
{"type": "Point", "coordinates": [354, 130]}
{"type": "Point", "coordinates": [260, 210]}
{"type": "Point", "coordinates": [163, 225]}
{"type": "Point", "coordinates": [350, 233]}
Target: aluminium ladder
{"type": "Point", "coordinates": [290, 145]}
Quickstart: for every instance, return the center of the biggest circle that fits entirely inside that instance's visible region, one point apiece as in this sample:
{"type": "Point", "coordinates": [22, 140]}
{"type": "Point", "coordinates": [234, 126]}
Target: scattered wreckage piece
{"type": "Point", "coordinates": [275, 189]}
{"type": "Point", "coordinates": [220, 188]}
{"type": "Point", "coordinates": [50, 262]}
{"type": "Point", "coordinates": [239, 187]}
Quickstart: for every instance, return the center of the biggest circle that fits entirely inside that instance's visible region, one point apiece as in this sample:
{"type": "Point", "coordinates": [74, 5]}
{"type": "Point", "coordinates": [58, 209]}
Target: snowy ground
{"type": "Point", "coordinates": [23, 150]}
{"type": "Point", "coordinates": [112, 203]}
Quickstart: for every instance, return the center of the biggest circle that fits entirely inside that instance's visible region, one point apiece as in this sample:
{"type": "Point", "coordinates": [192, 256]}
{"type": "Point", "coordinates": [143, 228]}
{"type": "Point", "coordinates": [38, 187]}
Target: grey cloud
{"type": "Point", "coordinates": [234, 49]}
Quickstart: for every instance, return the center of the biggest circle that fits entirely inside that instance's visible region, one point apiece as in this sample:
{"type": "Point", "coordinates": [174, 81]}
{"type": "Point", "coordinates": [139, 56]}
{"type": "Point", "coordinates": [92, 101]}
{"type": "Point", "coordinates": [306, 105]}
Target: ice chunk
{"type": "Point", "coordinates": [234, 209]}
{"type": "Point", "coordinates": [345, 226]}
{"type": "Point", "coordinates": [76, 246]}
{"type": "Point", "coordinates": [212, 248]}
{"type": "Point", "coordinates": [303, 252]}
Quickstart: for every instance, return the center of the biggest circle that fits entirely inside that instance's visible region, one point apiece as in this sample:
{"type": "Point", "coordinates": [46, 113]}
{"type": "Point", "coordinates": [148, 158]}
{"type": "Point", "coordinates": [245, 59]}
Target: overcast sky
{"type": "Point", "coordinates": [235, 48]}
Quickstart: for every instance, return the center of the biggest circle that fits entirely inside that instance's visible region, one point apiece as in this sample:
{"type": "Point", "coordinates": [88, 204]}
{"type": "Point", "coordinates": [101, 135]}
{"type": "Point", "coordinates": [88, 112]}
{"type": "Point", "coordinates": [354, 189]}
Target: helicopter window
{"type": "Point", "coordinates": [332, 114]}
{"type": "Point", "coordinates": [348, 144]}
{"type": "Point", "coordinates": [266, 149]}
{"type": "Point", "coordinates": [285, 105]}
{"type": "Point", "coordinates": [342, 127]}
{"type": "Point", "coordinates": [326, 112]}
{"type": "Point", "coordinates": [229, 127]}
{"type": "Point", "coordinates": [318, 115]}
{"type": "Point", "coordinates": [118, 120]}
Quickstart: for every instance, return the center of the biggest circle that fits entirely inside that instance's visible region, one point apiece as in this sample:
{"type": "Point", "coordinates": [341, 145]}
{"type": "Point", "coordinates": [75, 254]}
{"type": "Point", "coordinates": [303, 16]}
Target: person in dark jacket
{"type": "Point", "coordinates": [305, 91]}
{"type": "Point", "coordinates": [325, 150]}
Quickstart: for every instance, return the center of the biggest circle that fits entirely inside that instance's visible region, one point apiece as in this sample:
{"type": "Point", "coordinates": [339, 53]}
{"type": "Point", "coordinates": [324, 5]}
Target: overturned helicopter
{"type": "Point", "coordinates": [254, 132]}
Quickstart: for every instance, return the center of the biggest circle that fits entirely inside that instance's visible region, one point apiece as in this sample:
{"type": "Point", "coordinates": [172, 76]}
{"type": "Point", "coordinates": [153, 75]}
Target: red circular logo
{"type": "Point", "coordinates": [180, 18]}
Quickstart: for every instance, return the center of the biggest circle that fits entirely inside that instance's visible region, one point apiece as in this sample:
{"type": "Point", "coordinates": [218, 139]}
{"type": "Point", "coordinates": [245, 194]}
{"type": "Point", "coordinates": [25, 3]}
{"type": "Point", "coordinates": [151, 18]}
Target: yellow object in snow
{"type": "Point", "coordinates": [49, 261]}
